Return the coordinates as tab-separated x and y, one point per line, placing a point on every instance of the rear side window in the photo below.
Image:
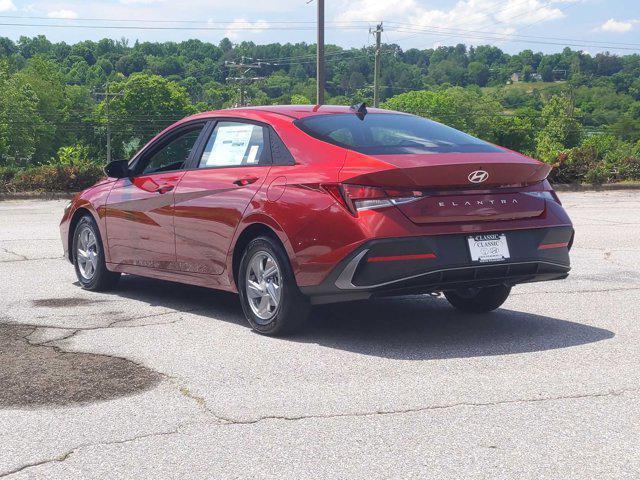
235	144
280	154
390	133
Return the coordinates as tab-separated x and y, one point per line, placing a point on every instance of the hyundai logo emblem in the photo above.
478	176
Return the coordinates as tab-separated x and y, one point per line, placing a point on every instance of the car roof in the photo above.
292	111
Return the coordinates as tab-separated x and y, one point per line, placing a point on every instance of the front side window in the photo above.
234	144
174	155
392	134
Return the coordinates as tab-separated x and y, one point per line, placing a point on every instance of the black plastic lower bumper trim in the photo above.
451	267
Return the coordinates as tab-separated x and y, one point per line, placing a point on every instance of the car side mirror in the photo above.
117	169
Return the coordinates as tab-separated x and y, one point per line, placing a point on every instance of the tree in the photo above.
561	129
59	78
517	131
19	123
146	105
464	109
478	73
607	64
129	64
447	71
44	81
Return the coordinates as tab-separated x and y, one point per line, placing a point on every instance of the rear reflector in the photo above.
395	258
548	246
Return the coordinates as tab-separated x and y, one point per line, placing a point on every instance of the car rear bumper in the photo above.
413	265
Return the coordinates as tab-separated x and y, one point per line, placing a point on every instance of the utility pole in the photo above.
320	55
242	79
107	94
108	99
376	71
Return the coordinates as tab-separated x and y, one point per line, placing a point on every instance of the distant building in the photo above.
536	77
516	77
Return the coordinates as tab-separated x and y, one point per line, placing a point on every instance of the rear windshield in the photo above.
391	133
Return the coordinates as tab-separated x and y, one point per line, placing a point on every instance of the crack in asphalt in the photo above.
610	393
110	325
176	431
29	379
64	456
25	259
61	350
606	290
20	259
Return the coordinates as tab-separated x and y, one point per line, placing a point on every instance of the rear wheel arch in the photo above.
253	231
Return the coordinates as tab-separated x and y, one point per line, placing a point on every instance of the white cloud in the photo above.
480	15
7	6
234	29
143	2
531	11
612	25
62	14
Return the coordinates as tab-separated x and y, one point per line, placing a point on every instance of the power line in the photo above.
242	80
464	31
208	22
505	38
204	28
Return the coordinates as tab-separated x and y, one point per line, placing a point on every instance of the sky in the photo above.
513	25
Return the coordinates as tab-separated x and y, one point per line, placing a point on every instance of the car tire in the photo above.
269	294
88	257
478	300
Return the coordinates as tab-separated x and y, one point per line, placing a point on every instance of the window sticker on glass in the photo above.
253	154
230	145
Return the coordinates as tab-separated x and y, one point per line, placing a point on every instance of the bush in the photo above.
73	155
599	159
51	178
6	176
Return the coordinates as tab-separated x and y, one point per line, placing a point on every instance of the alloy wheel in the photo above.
87	253
263	286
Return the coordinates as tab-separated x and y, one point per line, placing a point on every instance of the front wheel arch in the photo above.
77	215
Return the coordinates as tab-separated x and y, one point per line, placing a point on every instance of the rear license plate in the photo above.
488	248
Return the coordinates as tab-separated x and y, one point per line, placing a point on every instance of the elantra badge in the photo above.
478	176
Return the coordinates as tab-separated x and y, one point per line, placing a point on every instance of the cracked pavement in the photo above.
159	380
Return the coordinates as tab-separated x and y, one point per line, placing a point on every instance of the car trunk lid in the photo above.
454	187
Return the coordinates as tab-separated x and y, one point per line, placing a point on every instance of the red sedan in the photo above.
292	206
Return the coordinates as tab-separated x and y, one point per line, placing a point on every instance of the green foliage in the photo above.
20	124
73	155
143	106
516	132
599	159
561	130
49	113
297	99
465	109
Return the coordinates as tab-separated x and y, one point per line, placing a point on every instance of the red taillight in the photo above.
356	198
362	192
335	191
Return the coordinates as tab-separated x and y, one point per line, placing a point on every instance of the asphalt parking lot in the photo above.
158	380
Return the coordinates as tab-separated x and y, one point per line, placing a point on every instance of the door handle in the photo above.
164	188
243	182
